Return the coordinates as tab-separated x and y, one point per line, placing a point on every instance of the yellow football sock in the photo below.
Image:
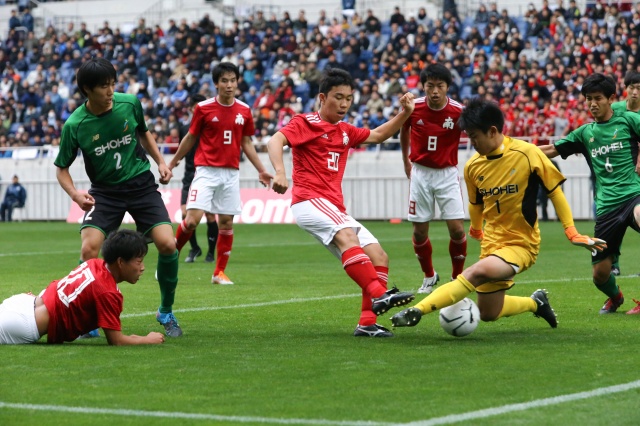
514	305
445	295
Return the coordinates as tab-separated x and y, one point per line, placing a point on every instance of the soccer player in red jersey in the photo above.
224	125
85	299
320	143
429	140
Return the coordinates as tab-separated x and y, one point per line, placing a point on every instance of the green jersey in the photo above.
621	107
611	149
108	142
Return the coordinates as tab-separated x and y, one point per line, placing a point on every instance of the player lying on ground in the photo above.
82	301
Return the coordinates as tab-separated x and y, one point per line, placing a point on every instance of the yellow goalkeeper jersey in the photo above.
505	182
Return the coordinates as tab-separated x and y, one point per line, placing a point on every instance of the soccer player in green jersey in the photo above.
632	103
502	180
610	145
110	131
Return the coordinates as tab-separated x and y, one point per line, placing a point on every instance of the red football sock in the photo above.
367	317
182	235
423	253
225	242
359	267
458	252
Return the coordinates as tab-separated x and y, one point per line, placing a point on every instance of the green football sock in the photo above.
168	280
610	288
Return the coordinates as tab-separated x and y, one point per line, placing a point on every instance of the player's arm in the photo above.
186	144
388	129
549	150
275	147
85	201
149	144
250	151
563	210
475	215
116	338
405	142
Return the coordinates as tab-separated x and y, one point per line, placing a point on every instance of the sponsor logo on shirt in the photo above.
95	137
448	123
510	188
114	144
215	119
420	122
325	136
239	119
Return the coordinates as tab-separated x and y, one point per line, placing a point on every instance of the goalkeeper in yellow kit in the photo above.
502	182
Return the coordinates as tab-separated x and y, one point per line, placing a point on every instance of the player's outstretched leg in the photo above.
544	311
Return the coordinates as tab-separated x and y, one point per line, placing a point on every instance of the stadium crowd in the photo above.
533	65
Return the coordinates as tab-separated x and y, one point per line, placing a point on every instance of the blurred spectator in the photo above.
14	197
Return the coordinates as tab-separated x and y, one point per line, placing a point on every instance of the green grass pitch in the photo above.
277	347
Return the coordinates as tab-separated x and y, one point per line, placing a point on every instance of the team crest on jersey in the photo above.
448	123
95	137
615	134
239	119
125	126
345	138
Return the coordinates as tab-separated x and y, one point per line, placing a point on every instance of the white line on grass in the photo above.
247	305
191	416
495	411
341	296
446	420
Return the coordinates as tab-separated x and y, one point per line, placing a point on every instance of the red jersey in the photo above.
82	301
320	150
435	135
221	129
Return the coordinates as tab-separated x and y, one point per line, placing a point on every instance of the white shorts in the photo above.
18	320
429	186
215	190
323	220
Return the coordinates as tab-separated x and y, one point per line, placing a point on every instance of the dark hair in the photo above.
124	243
222	68
631	77
599	83
196	99
436	71
334	77
481	115
95	72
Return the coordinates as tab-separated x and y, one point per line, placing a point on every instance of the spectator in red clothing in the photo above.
264	102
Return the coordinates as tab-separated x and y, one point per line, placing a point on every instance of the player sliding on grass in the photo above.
320	143
85	299
502	182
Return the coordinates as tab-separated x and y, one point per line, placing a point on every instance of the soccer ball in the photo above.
461	318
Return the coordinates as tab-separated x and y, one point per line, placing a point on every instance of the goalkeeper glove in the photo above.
476	234
592	244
